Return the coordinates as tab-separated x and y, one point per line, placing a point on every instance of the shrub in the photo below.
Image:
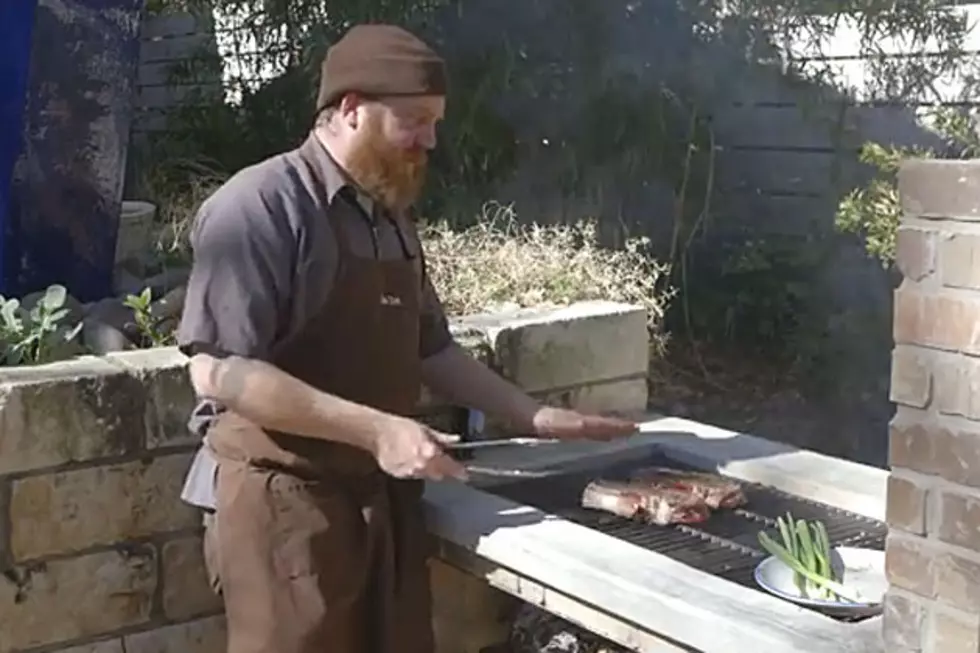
499	262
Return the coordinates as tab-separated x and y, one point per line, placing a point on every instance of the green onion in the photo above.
806	550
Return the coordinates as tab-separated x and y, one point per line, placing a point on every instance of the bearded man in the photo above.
311	325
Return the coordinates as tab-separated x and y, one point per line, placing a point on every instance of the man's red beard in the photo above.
391	175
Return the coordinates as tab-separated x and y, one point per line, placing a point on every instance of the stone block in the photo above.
906	509
953	631
186	591
468	614
626	397
960	261
582	344
909	443
933	449
941	321
940	189
902	621
959	516
911	376
104	646
75	410
70	511
202	636
956	385
915	252
473	341
956	455
164	373
5	555
74	598
909	564
958	581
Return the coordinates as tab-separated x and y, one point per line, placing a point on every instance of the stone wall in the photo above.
933	552
97	553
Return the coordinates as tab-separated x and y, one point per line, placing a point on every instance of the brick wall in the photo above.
97	553
933	553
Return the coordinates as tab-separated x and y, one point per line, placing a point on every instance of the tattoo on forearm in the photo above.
228	378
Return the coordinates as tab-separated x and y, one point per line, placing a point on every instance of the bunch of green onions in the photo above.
806	551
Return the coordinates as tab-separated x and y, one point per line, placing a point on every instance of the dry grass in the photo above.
500	262
177	203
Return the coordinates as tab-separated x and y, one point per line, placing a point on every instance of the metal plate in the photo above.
863	572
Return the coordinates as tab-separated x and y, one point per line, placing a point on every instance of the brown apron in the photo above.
314	548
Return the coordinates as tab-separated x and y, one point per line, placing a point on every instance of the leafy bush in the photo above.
874	211
39	333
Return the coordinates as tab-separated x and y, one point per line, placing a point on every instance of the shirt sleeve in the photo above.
434	335
240	275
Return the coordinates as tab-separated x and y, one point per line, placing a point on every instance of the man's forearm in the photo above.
455	375
275	400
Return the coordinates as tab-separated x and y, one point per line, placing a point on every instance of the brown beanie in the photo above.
378	60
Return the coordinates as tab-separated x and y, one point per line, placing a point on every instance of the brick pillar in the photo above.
933	552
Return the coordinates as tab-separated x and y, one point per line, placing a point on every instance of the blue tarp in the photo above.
16	27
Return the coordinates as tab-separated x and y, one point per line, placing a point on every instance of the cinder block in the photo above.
582	344
71	511
186	590
201	636
75	598
170	396
75	410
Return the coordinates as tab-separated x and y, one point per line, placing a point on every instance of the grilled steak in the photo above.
656	505
715	490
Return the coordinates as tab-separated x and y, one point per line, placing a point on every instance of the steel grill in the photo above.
726	545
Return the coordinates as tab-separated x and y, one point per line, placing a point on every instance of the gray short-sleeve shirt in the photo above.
265	259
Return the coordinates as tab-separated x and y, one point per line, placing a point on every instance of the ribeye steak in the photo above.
663	496
656	505
715	490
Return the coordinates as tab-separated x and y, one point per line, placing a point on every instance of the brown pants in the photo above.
306	567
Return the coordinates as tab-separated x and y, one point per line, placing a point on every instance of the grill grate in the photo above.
726	545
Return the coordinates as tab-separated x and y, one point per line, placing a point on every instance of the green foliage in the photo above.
149	327
874	211
277	48
752	289
39	334
478	146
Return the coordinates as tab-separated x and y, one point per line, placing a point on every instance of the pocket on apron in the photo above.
320	536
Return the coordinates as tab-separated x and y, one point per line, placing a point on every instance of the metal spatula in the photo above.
502	471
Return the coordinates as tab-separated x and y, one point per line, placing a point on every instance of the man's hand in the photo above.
571	425
405	448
